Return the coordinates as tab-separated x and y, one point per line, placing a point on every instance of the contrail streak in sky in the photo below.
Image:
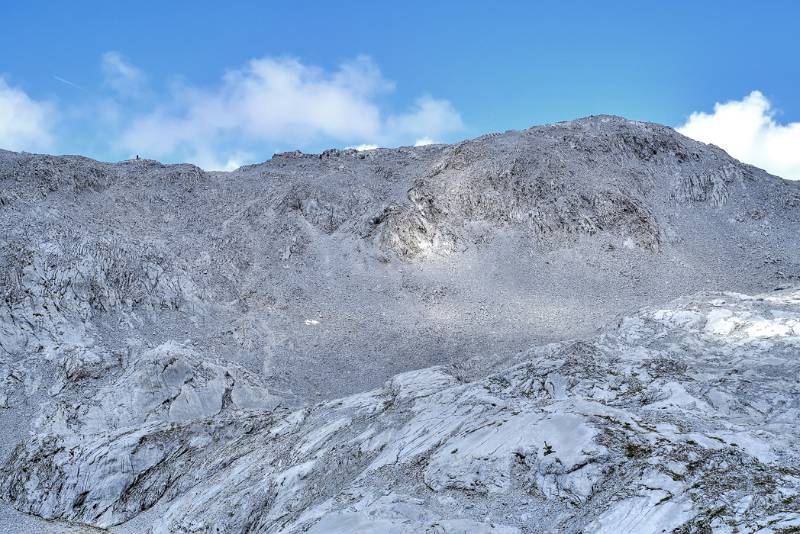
60	79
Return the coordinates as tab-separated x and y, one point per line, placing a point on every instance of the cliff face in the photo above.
156	318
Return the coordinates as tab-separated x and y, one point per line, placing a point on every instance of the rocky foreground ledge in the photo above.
683	419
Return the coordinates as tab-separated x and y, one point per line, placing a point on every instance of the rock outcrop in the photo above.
342	341
679	419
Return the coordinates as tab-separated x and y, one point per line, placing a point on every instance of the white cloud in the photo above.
427	119
25	124
208	161
363	147
748	131
121	75
284	102
424	141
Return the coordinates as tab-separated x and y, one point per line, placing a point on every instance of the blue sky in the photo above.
222	83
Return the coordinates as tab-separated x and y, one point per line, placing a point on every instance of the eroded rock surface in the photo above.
682	418
331	272
342	341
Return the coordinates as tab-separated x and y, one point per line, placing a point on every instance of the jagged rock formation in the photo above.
682	418
165	333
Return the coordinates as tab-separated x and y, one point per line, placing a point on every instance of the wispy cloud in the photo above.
122	76
749	131
265	105
25	123
284	101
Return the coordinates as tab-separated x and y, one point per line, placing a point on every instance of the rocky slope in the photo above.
171	339
679	419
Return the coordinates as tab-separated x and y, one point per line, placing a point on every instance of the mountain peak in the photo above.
450	314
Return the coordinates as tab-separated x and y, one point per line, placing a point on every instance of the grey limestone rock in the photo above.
479	337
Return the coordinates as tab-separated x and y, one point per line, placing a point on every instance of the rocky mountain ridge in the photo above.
160	322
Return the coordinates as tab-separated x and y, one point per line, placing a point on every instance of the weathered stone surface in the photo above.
335	342
674	420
